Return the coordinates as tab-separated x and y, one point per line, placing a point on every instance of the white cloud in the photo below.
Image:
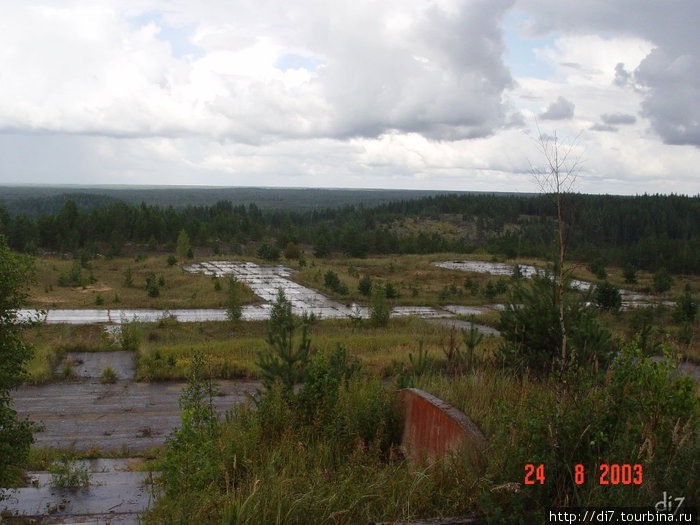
400	93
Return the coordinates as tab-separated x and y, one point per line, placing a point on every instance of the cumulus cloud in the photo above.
262	72
561	109
669	74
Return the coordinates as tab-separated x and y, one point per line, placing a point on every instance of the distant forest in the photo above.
648	232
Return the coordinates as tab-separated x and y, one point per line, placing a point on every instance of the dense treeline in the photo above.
648	232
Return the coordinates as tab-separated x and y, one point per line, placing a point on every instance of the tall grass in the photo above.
270	464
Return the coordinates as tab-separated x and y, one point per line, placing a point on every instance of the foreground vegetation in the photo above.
320	444
328	451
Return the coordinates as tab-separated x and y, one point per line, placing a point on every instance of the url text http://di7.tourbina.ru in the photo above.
669	508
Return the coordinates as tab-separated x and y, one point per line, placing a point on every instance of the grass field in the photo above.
164	347
414	277
105	285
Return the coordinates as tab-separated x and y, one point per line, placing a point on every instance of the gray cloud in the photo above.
673	101
622	76
443	77
614	119
561	109
604	127
670	74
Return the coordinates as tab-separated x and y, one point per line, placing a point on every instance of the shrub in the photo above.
379	310
531	332
129	335
686	307
171	260
365	285
597	268
390	291
128	277
640	412
269	253
629	272
662	281
608	296
333	283
234	305
291	251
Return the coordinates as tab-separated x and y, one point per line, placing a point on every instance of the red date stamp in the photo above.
608	474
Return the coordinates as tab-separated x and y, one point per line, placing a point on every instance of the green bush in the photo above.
130	335
365	285
608	296
662	281
333	283
640	412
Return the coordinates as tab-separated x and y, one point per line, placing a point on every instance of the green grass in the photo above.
232	349
181	289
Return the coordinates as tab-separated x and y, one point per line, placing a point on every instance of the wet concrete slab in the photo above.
115	494
629	299
265	281
123	415
464	310
466	325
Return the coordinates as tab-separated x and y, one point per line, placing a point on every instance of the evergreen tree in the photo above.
184	248
287	360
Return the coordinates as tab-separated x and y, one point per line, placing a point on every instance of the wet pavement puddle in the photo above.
116	493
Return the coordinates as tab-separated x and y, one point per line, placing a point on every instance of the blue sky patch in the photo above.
178	37
520	56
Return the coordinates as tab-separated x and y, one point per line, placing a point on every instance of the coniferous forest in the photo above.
648	231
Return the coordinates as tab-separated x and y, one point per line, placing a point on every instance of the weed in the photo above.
108	375
69	473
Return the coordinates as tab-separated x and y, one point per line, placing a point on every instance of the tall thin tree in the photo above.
556	175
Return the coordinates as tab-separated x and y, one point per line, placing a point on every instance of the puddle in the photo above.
466	325
123	415
684	368
464	310
115	495
89	365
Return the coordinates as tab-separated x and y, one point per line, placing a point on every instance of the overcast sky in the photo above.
434	94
